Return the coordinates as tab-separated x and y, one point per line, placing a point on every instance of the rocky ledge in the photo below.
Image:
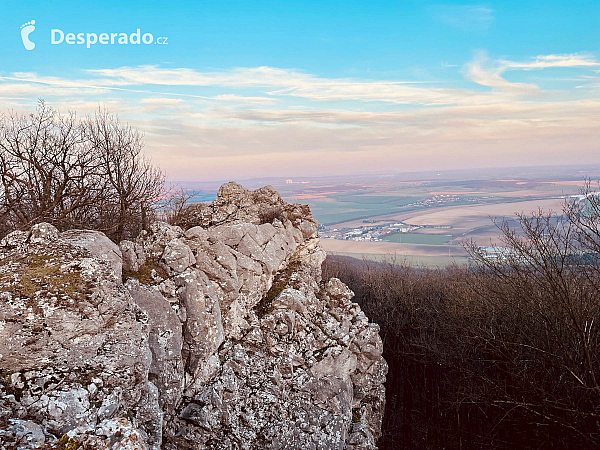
219	336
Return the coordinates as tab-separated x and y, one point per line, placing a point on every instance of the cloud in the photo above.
429	138
245	100
162	104
237	77
547	61
161	101
287	82
464	17
62	86
256	120
276	81
268	85
483	71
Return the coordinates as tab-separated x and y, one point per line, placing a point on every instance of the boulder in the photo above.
100	246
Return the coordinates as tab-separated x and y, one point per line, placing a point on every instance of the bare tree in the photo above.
134	185
175	207
583	212
550	276
75	174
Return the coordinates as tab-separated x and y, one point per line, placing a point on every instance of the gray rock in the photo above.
203	332
15	239
154	240
68	410
111	434
177	256
133	255
43	233
235	343
28	434
98	245
165	342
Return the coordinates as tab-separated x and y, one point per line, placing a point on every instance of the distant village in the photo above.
377	230
374	232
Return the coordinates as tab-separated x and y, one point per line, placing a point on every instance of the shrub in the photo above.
271	214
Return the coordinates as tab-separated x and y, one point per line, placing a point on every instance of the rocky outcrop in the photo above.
222	335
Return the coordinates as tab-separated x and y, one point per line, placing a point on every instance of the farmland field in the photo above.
419	238
440	214
425	261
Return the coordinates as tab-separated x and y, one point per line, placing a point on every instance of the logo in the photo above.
58	36
89	39
26	30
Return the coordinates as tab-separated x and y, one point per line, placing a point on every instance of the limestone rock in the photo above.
110	434
43	232
74	345
177	256
224	336
165	342
133	255
28	434
98	245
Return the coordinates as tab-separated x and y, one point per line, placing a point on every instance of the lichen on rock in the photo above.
217	334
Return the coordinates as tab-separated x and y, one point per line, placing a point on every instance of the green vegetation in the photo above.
67	443
382	199
342	208
352	203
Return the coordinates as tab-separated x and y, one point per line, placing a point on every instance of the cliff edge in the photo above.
218	336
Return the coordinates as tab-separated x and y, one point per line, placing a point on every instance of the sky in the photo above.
243	89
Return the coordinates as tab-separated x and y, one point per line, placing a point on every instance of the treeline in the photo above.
503	354
75	173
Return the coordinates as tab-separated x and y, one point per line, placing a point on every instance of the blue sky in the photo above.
254	88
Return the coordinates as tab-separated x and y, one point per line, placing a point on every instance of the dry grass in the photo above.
42	275
144	274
